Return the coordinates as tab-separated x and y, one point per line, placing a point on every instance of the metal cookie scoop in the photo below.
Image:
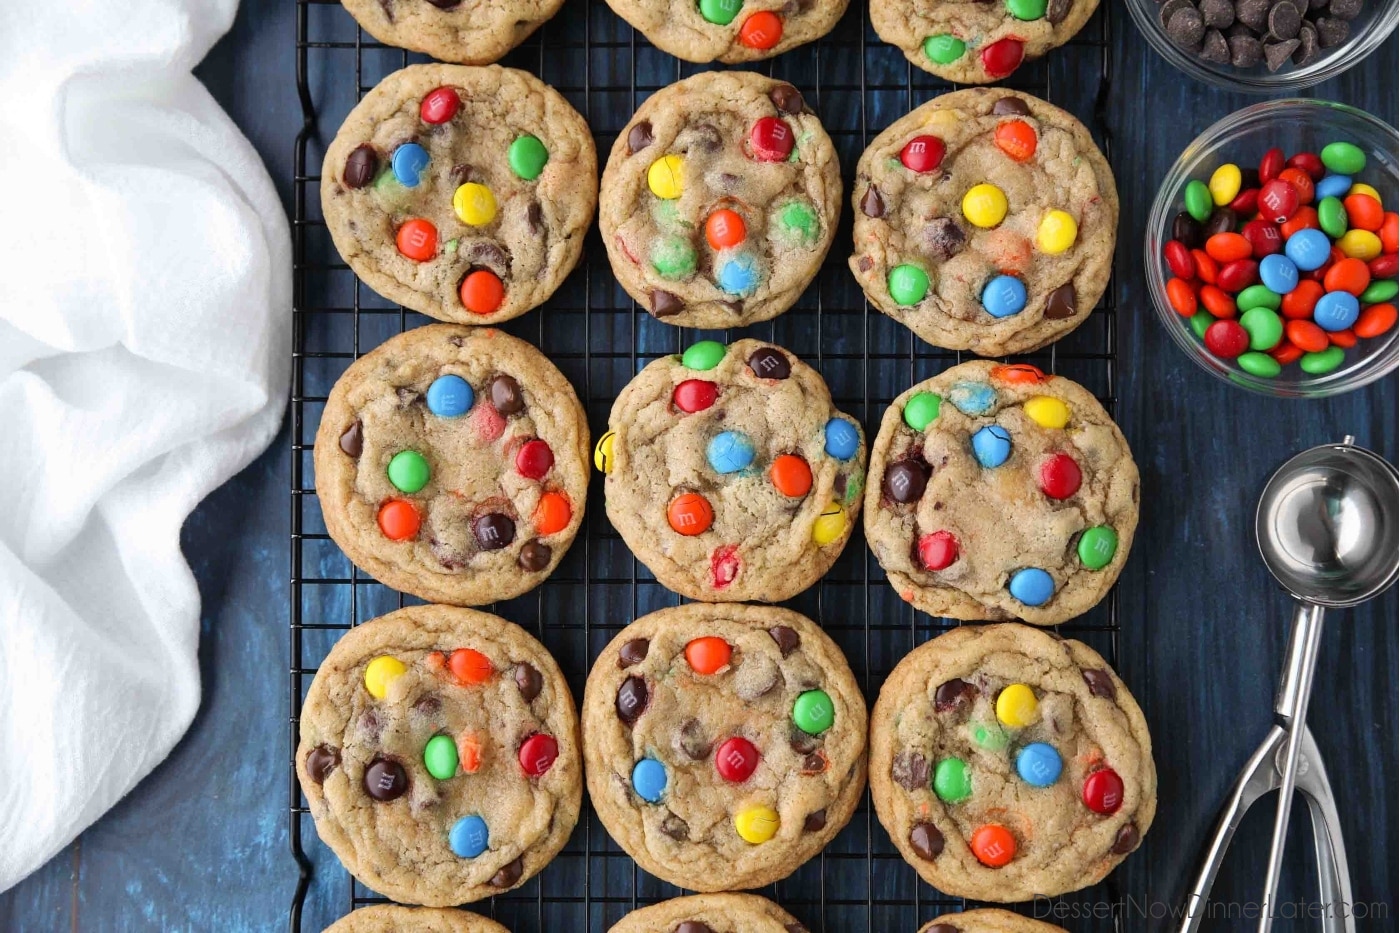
1327	530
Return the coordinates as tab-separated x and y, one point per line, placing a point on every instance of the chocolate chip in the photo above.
528	681
445	4
1169	9
1309	50
910	770
943	238
1221	220
488	254
639	137
632	699
1056	11
633	652
505	393
675	827
1010	105
493	531
1062	303
1284	22
786	638
694	926
462	172
1187	28
814	763
707	137
942	928
691	740
353	440
954	694
360	166
1218	14
786	98
815	822
926	840
905	480
871	203
321	761
534	218
1252	13
1344	9
1277	54
1215	48
733	307
509	875
406	396
1100	683
1332	32
1245	51
534	556
865	263
838	485
1127	840
665	304
385	780
768	363
427	705
802	743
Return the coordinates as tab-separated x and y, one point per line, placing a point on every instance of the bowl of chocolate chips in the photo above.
1264	46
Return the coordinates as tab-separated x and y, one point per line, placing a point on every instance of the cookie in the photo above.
452	463
1008	764
472	32
730	31
439	755
978	43
710	913
391	918
461	192
985	220
730	473
988	920
724	745
998	492
720	199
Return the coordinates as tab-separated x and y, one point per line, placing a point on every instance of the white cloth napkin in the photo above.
145	318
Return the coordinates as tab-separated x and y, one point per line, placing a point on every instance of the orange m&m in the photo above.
725	228
482	292
399	519
470	666
690	514
417	239
791	475
763	30
1016	139
1374	321
993	845
707	655
552	514
1018	374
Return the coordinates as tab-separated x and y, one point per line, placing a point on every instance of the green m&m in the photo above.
1200	323
1026	9
1265	328
1258	296
673	257
797	223
813	712
440	757
1344	159
988	735
1097	545
703	355
1199	203
1380	290
720	12
1261	364
944	48
908	284
922	410
1324	362
527	156
952	780
408	471
1332	217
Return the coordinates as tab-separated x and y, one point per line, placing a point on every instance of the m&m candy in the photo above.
1103	791
952	780
842	439
729	452
1039	764
770	138
474	204
416	239
552	514
482	292
739	274
1058	230
1096	547
450	396
938	551
923	154
763	30
725	228
908	284
470	667
1004	296
991	445
922	409
694	395
830	525
708	655
757	825
1032	586
649	780
399	520
527	157
813	712
1017	706
984	205
664	177
407	163
468	837
603	452
439	105
993	845
690	514
790	475
440	757
381	672
736	759
408	471
537	754
944	48
1047	411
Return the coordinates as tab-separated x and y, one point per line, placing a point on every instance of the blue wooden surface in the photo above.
201	845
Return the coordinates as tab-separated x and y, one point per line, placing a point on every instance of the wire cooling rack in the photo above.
594	332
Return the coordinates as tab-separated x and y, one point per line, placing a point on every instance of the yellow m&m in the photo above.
830	524
603	452
756	824
1057	233
664	177
1225	184
1017	706
1363	188
1360	244
380	673
984	205
474	204
1046	411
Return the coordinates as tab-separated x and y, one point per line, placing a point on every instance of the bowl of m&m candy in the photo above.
1271	249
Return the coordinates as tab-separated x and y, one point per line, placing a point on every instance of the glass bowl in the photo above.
1243	137
1368	30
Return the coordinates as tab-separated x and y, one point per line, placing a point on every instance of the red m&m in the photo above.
736	759
534	459
1103	791
694	395
763	30
725	228
440	105
707	655
923	153
770	140
417	240
537	753
938	551
1060	476
1003	56
399	520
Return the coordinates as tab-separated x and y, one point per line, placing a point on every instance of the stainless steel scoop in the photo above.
1327	528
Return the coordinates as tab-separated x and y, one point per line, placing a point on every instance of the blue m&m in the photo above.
842	439
468	837
1039	765
649	780
1004	296
991	445
729	452
1332	186
450	396
1336	311
408	162
1278	273
1308	248
1032	586
973	398
738	275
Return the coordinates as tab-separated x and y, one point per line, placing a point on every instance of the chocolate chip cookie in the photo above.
987	920
730	473
710	913
978	42
452	463
729	31
439	755
998	492
472	32
391	918
720	199
724	745
461	192
985	220
1008	764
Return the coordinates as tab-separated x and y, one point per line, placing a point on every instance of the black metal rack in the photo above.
600	338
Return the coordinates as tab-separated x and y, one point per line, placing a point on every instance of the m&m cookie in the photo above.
710	913
724	745
452	463
985	221
730	474
998	492
987	920
461	192
391	918
1008	764
439	755
730	31
720	199
978	43
465	31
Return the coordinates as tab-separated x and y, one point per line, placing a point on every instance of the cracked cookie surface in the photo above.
461	192
1008	764
710	913
985	220
730	473
391	918
439	755
730	31
724	745
452	463
719	200
470	32
997	492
